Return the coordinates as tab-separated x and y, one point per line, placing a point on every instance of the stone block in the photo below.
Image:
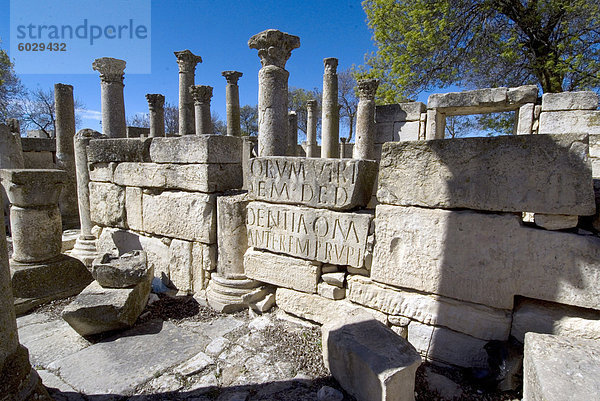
447	346
119	150
435	125
409	111
133	208
331	291
384	132
184	215
282	271
189	177
197	149
483	258
472	319
584	100
522	95
406	131
38	145
124	271
180	265
469	102
30	188
232	239
102	172
368	359
137	132
575	121
38	160
551	318
525	119
204	260
315	234
334	278
322	183
157	252
560	368
594	146
555	221
535	173
318	309
107	204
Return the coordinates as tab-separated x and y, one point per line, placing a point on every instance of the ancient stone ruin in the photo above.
406	247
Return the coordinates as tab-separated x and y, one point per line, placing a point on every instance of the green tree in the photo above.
10	85
424	44
249	120
347	100
297	98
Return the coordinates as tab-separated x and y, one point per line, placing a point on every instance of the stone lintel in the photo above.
197	149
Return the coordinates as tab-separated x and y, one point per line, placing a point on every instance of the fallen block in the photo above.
368	359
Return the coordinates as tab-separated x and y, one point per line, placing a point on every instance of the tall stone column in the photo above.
65	154
330	112
229	284
202	95
232	102
293	133
311	128
85	245
11	156
274	49
156	107
19	381
40	273
343	148
364	146
187	71
113	106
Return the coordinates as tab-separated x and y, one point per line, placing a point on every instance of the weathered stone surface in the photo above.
575	121
102	172
184	215
555	221
232	239
334	278
197	149
98	309
133	208
119	150
30	188
204	260
316	308
522	94
483	258
314	234
409	111
180	265
550	318
541	173
407	131
282	271
190	177
368	359
447	346
331	291
107	203
194	365
524	117
486	100
38	145
584	100
323	183
38	160
560	368
120	271
137	132
157	252
132	367
473	319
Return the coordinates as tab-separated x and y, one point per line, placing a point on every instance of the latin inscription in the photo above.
324	183
314	234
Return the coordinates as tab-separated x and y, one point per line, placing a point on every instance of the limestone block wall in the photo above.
159	195
39	152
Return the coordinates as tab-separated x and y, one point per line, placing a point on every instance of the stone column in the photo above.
65	154
364	146
232	102
274	49
293	133
113	106
202	95
187	71
19	381
11	156
156	106
330	114
40	273
85	245
343	148
311	128
229	284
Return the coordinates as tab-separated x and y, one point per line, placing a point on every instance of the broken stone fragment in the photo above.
127	270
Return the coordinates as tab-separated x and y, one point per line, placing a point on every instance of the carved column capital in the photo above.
201	93
232	76
155	101
330	65
311	105
110	69
274	47
367	88
187	60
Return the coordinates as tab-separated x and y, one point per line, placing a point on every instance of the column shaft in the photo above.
330	120
364	147
311	129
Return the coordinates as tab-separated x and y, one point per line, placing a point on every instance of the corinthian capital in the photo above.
187	60
155	101
201	93
367	88
274	47
232	76
330	64
110	69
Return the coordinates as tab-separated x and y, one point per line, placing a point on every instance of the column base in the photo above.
85	250
20	382
35	284
225	294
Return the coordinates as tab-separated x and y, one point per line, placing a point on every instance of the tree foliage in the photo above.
171	119
297	98
10	85
347	100
249	120
423	44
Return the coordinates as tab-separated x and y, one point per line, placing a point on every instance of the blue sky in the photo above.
218	31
